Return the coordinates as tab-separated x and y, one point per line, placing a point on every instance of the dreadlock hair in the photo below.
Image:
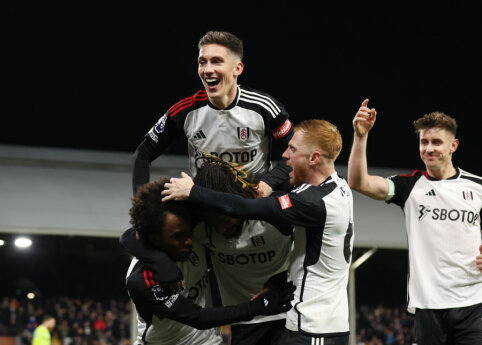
223	176
148	211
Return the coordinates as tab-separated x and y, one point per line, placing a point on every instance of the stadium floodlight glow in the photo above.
23	242
30	295
2	242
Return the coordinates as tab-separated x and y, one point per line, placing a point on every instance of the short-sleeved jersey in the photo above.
240	133
41	336
153	303
442	218
242	265
323	241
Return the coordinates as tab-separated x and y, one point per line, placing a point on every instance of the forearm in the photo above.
145	153
231	204
358	178
357	163
140	171
204	318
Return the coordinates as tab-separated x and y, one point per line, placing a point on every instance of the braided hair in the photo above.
219	175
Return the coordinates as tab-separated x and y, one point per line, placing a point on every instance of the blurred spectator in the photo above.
76	320
380	325
384	326
41	334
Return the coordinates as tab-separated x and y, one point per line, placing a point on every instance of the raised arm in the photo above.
375	187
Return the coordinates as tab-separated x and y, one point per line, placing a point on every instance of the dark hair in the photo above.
223	176
225	39
148	210
47	317
436	119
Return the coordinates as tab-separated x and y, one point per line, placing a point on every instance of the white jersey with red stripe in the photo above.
443	226
241	133
197	289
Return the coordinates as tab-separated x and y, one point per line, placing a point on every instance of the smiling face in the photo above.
219	69
436	148
175	238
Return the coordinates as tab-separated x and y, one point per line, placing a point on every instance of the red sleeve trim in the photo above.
283	130
187	102
151	278
145	278
412	173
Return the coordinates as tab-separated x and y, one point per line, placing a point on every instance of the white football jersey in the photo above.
323	242
442	218
243	264
321	257
240	134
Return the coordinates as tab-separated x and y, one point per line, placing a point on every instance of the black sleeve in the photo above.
282	132
185	311
165	269
150	298
278	178
403	187
268	209
191	314
154	144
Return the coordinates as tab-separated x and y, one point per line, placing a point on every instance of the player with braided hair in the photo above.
174	317
320	210
247	256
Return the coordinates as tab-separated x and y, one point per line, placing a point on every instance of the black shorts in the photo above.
455	326
296	338
263	333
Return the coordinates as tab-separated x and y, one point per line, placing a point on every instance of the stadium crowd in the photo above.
79	321
90	322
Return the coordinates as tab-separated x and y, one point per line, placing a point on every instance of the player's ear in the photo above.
315	157
239	68
455	145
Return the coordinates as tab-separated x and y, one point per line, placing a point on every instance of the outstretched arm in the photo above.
375	187
270	303
227	203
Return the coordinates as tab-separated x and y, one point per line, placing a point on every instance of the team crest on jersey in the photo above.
194	258
243	133
258	241
468	195
285	201
161	124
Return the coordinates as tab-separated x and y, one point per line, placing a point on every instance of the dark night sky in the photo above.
98	76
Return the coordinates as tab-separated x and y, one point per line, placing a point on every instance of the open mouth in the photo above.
212	81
